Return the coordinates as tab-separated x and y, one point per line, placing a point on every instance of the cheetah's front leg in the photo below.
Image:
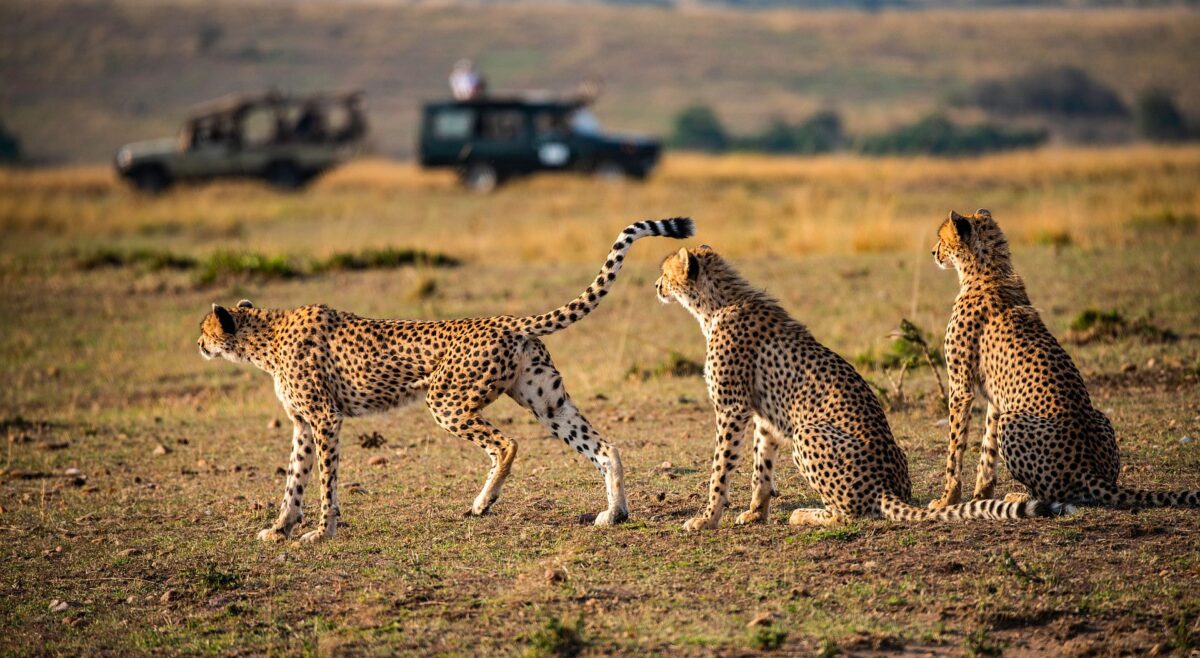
326	430
765	448
985	478
731	424
291	510
960	417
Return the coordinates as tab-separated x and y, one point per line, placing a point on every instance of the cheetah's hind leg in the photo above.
539	389
766	447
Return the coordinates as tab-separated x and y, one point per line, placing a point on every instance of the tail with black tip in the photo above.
897	509
1113	495
575	310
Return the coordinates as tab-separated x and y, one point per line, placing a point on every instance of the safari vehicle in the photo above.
489	140
286	141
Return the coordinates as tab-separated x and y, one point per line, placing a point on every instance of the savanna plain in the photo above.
135	474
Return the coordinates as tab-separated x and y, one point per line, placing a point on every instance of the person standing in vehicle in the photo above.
466	83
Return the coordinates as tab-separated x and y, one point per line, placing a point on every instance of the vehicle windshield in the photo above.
583	122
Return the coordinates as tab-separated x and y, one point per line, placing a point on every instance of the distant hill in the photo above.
80	78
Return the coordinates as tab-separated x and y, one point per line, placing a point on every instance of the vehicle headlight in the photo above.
124	158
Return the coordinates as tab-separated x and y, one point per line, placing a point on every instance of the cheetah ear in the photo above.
245	303
225	318
690	262
961	226
983	212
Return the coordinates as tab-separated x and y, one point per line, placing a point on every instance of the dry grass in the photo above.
153	553
748	205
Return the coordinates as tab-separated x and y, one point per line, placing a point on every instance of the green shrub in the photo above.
698	128
1066	91
937	135
223	265
1158	119
10	146
820	133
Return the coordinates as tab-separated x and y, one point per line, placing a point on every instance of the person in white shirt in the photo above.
465	81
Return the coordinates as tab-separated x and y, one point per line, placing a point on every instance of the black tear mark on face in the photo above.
226	319
693	267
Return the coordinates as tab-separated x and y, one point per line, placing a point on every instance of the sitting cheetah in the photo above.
1038	410
329	365
763	365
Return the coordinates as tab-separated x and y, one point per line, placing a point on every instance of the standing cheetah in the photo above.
1038	410
329	365
764	366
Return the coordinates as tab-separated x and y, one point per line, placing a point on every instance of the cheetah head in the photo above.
957	238
218	333
680	273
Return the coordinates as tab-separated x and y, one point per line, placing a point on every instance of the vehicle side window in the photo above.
453	124
550	124
259	127
503	125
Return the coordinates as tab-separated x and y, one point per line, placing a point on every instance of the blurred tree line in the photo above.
1059	93
10	146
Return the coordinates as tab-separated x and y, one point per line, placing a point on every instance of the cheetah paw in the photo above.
748	517
944	501
701	523
272	535
1016	498
315	536
611	517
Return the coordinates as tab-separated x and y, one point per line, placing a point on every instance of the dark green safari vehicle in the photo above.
284	140
488	140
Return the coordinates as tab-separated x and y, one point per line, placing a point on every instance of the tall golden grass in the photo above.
745	204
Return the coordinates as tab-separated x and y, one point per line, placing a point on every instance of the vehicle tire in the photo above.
480	177
150	180
285	176
609	171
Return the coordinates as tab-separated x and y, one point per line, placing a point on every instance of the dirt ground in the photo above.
136	474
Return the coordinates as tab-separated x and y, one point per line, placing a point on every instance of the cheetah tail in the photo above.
1109	493
897	509
567	314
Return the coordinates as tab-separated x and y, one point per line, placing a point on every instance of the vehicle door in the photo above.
447	135
552	139
263	140
504	138
210	150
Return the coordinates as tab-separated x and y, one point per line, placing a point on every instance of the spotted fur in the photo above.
329	365
765	367
1039	414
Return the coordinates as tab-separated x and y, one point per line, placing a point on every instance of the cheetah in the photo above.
762	365
329	365
1039	414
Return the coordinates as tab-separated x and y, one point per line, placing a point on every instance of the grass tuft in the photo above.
1165	219
981	643
230	265
215	580
555	638
767	638
149	259
674	365
388	257
1094	325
